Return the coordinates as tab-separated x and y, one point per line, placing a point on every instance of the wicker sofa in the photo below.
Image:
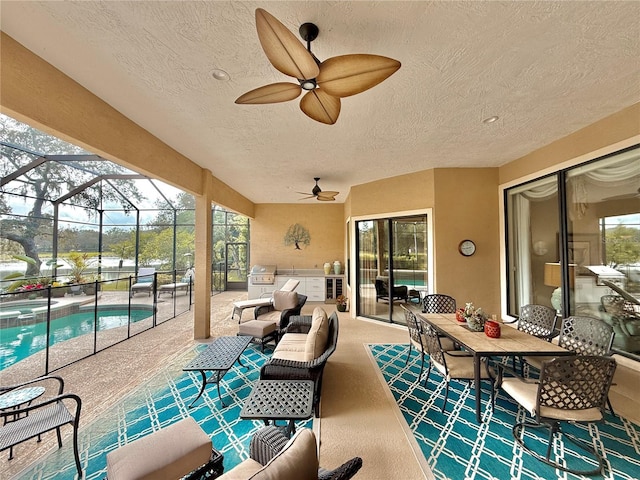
303	351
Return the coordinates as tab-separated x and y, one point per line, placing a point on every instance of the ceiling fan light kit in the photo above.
324	82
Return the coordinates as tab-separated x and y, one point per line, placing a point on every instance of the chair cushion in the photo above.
298	460
290	285
284	300
169	453
257	328
318	334
242	471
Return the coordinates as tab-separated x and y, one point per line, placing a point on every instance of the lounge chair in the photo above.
144	281
239	306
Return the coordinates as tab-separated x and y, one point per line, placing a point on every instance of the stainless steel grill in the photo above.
263	275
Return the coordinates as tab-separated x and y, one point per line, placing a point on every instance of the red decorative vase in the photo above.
492	329
460	315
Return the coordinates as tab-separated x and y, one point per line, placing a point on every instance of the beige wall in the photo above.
466	206
326	228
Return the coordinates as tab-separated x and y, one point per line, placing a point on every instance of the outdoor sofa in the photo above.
303	351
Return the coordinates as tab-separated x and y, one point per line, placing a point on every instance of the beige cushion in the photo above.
292	342
318	334
526	393
271	316
291	355
257	328
167	454
242	471
284	300
298	460
290	285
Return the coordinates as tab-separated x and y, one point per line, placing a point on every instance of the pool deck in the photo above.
118	370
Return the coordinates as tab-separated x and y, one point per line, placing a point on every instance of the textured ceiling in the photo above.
546	69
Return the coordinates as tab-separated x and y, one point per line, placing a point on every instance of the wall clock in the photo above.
467	248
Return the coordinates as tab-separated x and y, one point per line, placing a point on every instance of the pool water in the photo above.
18	343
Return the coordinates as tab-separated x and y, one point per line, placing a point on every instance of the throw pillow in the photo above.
317	335
298	460
284	300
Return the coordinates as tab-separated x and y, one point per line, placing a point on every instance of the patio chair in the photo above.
144	281
570	389
273	455
31	419
400	292
624	317
452	365
416	338
582	335
539	321
438	303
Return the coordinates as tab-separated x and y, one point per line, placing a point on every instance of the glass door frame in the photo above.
390	218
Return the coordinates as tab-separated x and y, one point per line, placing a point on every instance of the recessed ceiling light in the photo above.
220	74
491	119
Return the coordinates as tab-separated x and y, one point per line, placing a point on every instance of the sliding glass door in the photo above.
391	265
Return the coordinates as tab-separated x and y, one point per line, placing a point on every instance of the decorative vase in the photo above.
337	267
460	315
476	323
327	268
492	329
341	308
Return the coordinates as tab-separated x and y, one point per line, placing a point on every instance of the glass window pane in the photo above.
603	210
532	243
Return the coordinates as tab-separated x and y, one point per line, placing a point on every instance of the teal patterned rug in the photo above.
161	401
456	447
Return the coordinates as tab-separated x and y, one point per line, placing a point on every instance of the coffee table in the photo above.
218	358
280	400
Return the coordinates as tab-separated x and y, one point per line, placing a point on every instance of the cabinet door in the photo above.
315	289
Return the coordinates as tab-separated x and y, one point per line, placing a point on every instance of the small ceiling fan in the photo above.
325	82
318	194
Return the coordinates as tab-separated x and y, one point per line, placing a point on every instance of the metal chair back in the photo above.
537	320
575	383
438	303
586	336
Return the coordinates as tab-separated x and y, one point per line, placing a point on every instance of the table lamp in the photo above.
553	278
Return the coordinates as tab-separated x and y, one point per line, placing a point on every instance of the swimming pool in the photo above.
19	342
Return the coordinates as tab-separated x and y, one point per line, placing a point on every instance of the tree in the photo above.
44	183
622	246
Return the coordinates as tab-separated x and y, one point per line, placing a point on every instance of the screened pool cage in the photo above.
87	245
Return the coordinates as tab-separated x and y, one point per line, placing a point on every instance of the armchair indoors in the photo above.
50	411
570	389
400	292
285	305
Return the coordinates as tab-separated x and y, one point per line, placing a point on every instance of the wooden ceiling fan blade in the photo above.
320	106
285	52
273	93
328	193
348	75
307	197
323	198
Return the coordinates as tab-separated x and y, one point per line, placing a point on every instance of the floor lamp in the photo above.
553	278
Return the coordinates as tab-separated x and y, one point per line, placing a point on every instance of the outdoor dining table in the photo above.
512	342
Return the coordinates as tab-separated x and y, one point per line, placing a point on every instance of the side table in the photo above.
280	400
20	396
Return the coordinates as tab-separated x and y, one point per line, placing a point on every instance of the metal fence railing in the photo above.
44	329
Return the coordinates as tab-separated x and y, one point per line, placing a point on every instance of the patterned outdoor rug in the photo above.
456	447
161	401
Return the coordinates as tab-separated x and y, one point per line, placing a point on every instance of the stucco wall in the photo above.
324	222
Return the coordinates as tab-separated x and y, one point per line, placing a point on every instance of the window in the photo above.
573	243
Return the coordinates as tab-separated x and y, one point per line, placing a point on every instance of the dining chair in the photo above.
438	303
536	320
452	365
581	335
570	389
415	337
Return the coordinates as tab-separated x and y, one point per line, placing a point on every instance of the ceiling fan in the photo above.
325	82
318	194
